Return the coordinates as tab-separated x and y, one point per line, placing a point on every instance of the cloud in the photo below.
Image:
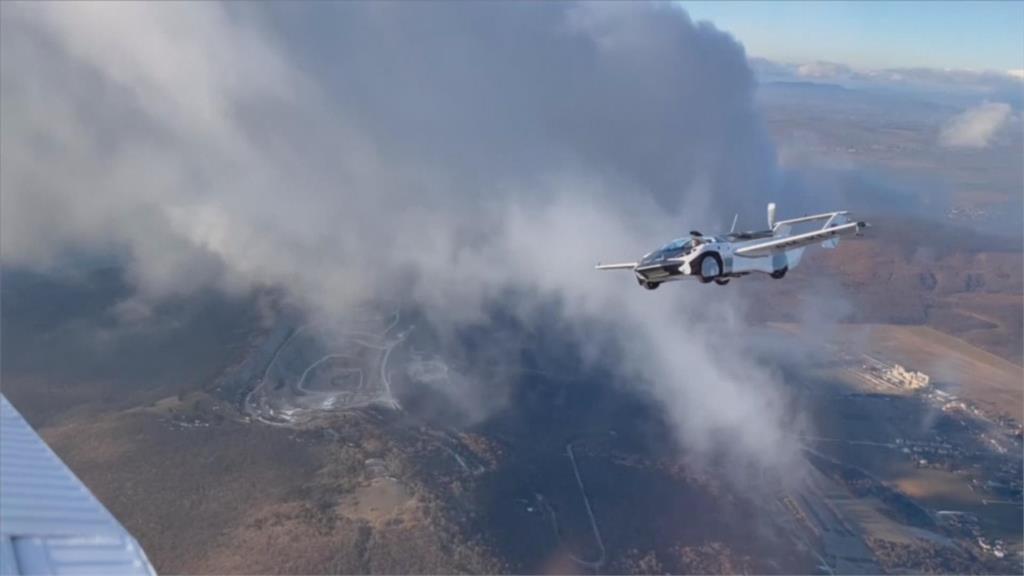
1005	86
975	128
830	70
433	153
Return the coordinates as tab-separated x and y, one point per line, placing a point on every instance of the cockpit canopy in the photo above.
677	245
673	249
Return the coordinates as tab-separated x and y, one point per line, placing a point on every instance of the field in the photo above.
906	466
955	365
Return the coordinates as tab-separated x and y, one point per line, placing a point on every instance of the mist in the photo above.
975	128
444	155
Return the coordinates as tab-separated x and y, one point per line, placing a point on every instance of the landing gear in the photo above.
651	285
721	281
780	273
709	267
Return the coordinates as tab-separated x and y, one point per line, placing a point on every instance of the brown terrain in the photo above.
207	492
211	495
940	299
130	409
950	279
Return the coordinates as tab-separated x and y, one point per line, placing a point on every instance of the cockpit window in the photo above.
673	249
680	244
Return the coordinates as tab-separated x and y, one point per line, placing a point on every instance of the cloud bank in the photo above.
955	86
975	127
434	153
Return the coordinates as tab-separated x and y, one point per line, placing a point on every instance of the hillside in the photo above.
954	280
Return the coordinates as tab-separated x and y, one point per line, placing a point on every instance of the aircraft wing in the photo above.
49	521
620	266
797	240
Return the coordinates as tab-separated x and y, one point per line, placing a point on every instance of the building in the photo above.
904	378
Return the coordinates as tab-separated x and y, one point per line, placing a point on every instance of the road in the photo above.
852	442
256	412
595	564
457	458
384	373
263	380
326	357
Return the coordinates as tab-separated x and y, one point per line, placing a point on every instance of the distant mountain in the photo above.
878	99
805	85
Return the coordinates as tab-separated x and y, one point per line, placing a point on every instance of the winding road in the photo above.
263	380
326	357
255	407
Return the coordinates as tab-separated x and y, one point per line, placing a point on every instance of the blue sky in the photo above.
960	35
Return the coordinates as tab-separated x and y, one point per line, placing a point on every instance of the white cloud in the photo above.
445	154
993	85
975	127
828	70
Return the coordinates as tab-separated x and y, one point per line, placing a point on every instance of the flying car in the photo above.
721	258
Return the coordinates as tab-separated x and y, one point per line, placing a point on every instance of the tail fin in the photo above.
793	257
771	215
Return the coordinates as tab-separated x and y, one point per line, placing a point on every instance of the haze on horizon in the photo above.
902	35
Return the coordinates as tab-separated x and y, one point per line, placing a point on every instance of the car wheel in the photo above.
709	267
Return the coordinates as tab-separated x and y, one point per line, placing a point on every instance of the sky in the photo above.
875	35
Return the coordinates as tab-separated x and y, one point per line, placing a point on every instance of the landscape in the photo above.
862	415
